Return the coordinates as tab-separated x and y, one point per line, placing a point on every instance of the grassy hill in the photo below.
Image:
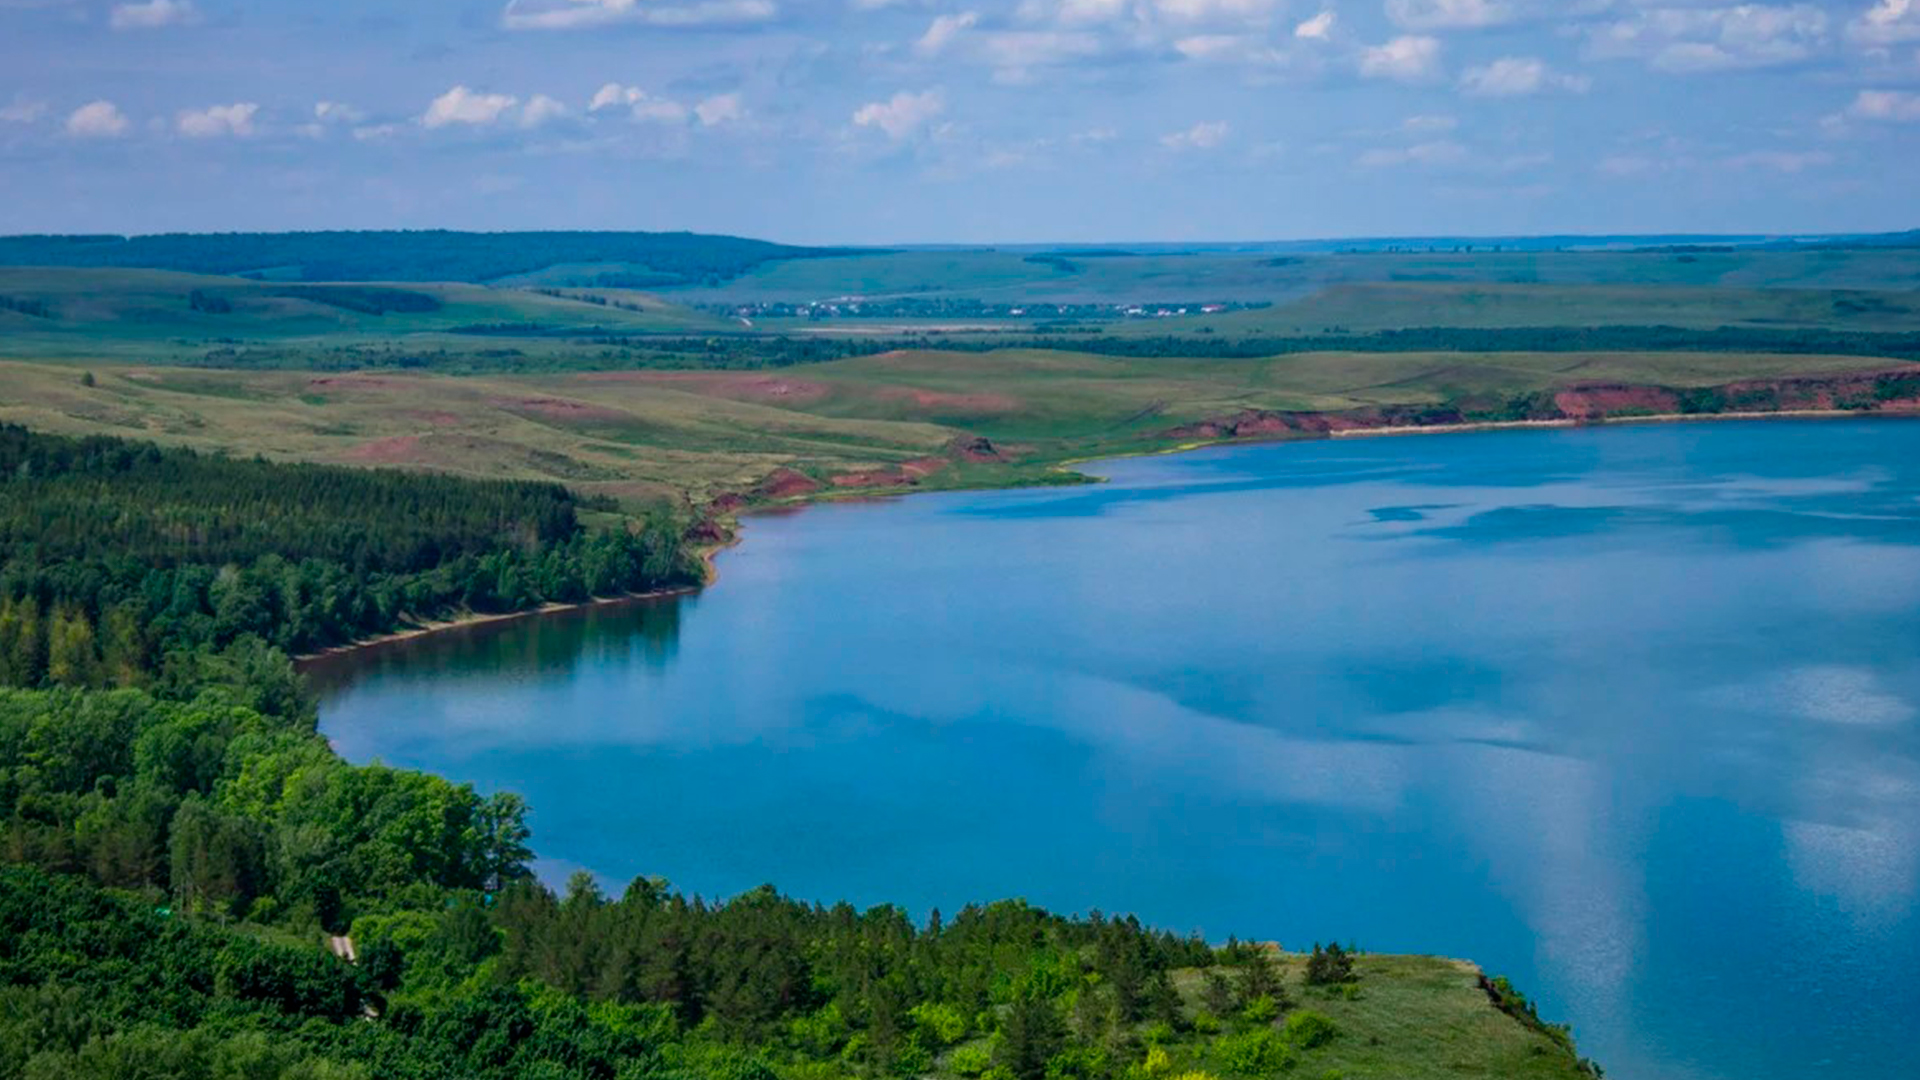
886	421
160	315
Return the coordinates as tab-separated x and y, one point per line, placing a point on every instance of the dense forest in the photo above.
116	554
676	257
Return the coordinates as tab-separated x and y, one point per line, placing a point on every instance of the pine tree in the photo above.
71	659
1031	1033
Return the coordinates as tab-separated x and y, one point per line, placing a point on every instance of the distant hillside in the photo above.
600	259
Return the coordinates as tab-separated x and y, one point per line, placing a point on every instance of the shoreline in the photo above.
709	555
1617	421
710	573
1468	429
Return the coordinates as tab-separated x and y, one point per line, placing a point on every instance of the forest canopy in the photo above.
114	554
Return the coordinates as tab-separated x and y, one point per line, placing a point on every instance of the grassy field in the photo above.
1414	1018
850	424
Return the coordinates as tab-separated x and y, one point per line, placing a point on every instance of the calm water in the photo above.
1628	714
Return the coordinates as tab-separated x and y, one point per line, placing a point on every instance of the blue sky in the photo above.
975	121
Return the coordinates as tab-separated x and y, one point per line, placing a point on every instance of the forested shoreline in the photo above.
117	556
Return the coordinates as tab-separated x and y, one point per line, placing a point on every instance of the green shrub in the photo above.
1254	1053
1077	1063
1261	1010
1310	1030
973	1059
941	1024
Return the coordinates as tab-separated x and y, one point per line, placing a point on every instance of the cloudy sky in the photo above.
877	121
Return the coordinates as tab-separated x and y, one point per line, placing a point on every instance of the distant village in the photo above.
866	307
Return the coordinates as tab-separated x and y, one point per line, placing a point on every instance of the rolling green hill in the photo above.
158	314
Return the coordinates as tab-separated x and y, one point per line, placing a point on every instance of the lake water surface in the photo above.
1628	714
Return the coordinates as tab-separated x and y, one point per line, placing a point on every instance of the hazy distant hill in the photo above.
604	259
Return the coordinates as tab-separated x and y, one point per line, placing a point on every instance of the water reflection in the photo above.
641	632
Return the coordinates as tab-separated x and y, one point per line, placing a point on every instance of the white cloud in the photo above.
1054	33
463	106
1447	14
1688	40
1202	136
1894	106
579	14
1409	59
1889	22
639	103
901	115
97	120
1429	123
1628	165
1785	161
1014	54
720	109
540	109
215	121
22	111
1216	11
1318	28
1443	152
1217	46
334	112
941	32
1074	12
152	15
1518	76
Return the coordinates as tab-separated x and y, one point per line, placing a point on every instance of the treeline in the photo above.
746	350
599	349
407	255
1737	339
367	300
22	306
114	554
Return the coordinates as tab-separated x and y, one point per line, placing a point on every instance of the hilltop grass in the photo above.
1413	1018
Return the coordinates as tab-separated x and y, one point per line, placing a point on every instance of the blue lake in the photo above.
1631	715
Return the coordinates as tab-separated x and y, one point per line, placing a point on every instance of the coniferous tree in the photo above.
1031	1033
